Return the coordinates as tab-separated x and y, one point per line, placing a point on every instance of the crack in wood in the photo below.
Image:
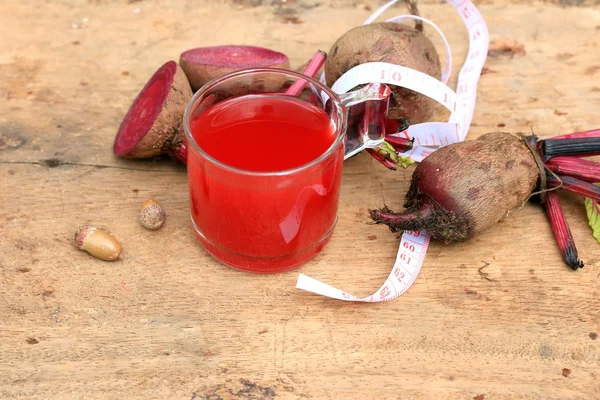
54	163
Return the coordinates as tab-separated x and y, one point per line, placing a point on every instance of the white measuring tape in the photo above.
428	136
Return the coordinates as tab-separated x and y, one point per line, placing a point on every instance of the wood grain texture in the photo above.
498	317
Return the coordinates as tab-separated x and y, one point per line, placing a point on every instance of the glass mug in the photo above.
272	221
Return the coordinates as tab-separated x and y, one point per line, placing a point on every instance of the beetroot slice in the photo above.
206	63
155	115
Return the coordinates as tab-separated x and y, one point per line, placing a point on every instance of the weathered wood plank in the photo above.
169	322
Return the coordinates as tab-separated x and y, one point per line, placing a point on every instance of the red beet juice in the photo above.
265	199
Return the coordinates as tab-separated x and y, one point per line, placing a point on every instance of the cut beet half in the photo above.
206	63
155	116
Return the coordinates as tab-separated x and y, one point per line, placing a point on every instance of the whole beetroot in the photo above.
392	43
465	188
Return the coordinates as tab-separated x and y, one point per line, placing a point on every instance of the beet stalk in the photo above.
576	186
400	144
396	125
562	233
386	154
586	170
579	135
582	146
383	159
314	65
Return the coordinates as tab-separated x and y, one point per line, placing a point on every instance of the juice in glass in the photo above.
264	173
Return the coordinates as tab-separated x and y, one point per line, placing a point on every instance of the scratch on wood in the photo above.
290	318
53	163
283	346
426	283
275	350
485	275
519	296
294	314
332	343
148	46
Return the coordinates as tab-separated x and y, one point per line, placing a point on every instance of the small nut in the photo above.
98	243
152	215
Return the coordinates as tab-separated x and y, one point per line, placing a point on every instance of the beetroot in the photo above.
206	63
464	188
392	43
155	116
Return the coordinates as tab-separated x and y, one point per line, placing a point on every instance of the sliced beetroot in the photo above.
206	63
155	116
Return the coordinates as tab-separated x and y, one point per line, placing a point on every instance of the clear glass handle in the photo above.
366	110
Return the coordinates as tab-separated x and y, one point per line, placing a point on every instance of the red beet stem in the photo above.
576	186
180	152
584	146
382	159
397	125
400	144
578	135
586	170
562	233
311	70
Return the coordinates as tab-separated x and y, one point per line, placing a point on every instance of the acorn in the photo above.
152	216
98	243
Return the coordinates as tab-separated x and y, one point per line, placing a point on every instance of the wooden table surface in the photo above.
168	322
